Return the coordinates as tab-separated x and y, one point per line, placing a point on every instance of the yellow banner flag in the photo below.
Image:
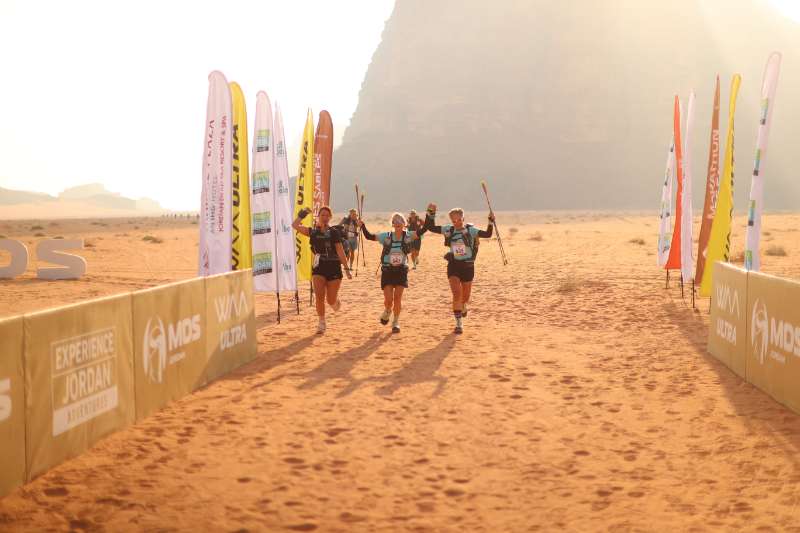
719	244
303	198
241	240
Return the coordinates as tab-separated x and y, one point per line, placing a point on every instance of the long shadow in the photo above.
268	360
748	401
342	365
422	368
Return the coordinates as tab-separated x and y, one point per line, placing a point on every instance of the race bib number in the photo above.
396	259
459	250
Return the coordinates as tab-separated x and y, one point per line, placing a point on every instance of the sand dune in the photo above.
580	397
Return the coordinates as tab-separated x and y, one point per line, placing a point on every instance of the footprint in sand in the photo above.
350	518
302	527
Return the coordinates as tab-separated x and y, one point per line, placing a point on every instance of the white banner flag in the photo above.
215	201
687	262
752	259
262	204
287	278
665	216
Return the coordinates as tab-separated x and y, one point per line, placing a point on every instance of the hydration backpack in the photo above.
473	243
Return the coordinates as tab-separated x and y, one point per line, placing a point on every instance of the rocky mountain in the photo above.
560	104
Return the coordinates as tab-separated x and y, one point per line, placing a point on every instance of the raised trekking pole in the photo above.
358	237
496	230
361	234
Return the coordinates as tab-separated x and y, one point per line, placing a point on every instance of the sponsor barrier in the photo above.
757	335
12	405
727	334
169	343
78	378
773	348
72	375
230	318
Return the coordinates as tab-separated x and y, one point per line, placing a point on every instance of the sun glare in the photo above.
789	8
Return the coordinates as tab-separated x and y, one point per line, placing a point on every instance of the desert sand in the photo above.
580	397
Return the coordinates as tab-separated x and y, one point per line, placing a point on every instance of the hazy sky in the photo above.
790	8
115	92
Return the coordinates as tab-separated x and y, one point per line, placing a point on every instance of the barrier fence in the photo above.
755	330
71	375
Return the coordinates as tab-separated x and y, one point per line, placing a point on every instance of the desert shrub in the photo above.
775	250
638	241
568	285
151	239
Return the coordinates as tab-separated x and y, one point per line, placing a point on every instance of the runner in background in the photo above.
350	225
415	224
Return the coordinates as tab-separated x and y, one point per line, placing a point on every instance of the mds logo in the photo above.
161	345
772	337
5	399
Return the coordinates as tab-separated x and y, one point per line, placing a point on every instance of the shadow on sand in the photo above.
422	368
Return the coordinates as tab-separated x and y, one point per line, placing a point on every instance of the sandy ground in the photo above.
580	397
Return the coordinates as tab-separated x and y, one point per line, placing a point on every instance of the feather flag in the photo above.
719	243
752	260
215	200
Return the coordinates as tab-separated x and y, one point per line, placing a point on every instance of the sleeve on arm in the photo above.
369	236
485	234
430	224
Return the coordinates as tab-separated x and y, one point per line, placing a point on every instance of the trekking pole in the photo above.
361	214
494	223
358	237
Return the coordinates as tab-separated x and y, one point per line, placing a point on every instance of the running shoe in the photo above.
337	305
321	327
459	330
395	329
464	310
385	316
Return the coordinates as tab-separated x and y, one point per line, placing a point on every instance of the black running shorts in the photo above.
394	276
330	270
463	270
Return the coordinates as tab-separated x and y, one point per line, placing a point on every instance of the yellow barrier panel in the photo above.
727	335
773	356
78	378
169	338
231	320
12	405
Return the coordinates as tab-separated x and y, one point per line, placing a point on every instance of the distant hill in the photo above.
11	197
91	200
561	105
